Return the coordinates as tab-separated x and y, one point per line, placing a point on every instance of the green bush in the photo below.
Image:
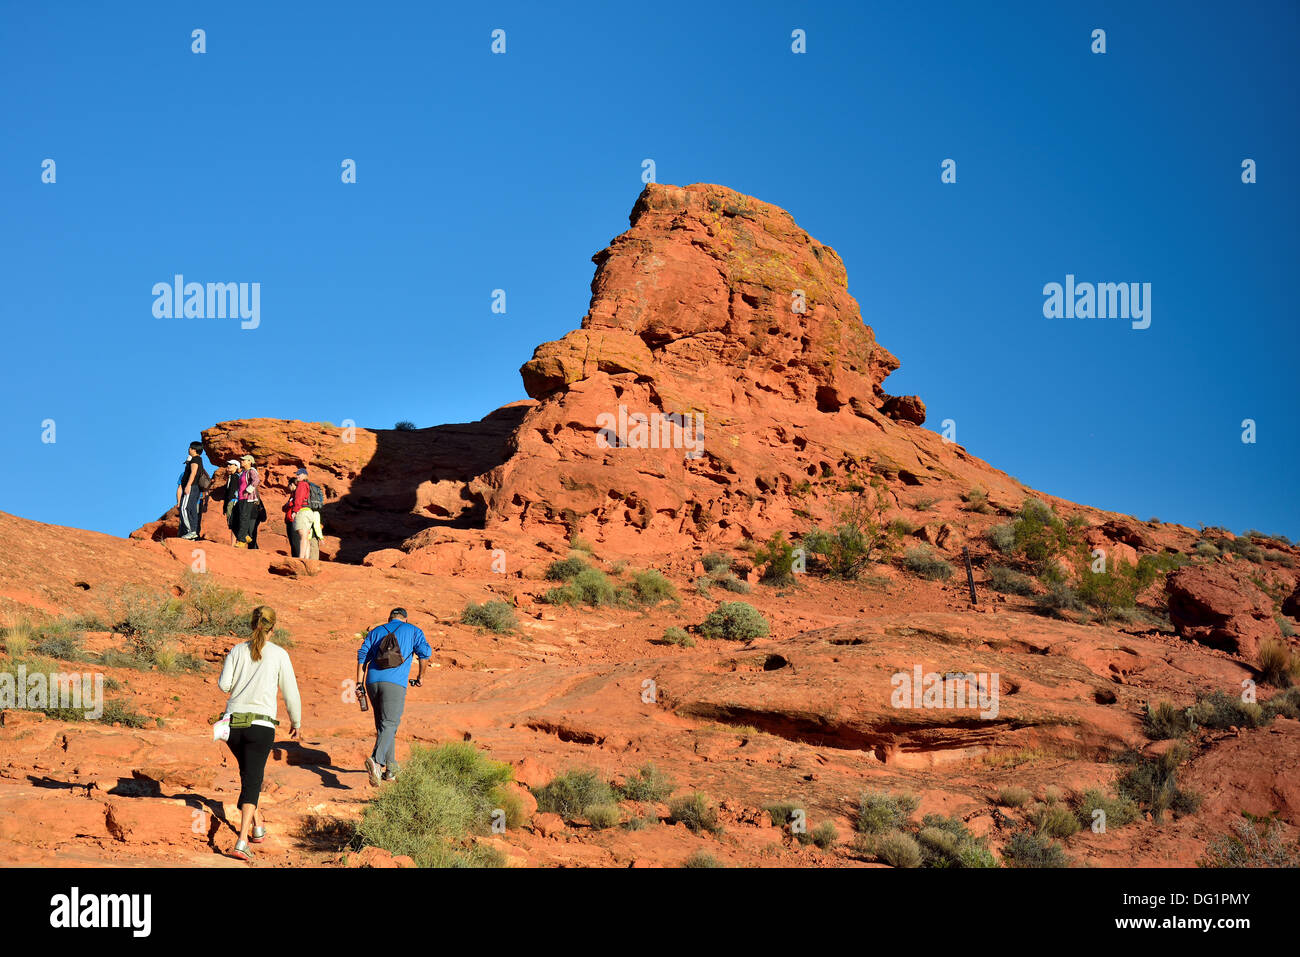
897	849
1013	797
923	562
1152	782
1286	704
947	842
572	793
1119	811
1222	711
701	859
736	621
695	811
59	643
565	569
1053	820
602	816
781	814
648	784
493	615
1164	720
1002	537
651	587
1060	598
1207	550
1010	582
824	835
588	587
777	557
880	811
977	500
731	583
1031	849
716	563
442	796
677	636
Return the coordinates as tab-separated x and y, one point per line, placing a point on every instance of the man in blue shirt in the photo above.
386	688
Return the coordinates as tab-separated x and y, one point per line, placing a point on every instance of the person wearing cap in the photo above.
299	489
248	506
232	498
385	682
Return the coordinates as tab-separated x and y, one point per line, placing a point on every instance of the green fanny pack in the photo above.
245	719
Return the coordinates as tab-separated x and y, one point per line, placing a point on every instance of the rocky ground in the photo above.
691	314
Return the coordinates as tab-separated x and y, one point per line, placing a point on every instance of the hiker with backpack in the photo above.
384	669
190	487
302	516
253	672
248	507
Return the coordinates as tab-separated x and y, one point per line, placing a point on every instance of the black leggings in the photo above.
251	747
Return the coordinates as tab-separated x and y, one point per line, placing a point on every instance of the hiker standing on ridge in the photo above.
383	669
298	489
252	674
194	481
232	499
249	506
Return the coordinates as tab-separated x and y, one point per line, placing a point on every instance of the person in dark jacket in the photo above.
189	493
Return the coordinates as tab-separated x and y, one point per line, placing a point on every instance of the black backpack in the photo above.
202	479
389	653
315	496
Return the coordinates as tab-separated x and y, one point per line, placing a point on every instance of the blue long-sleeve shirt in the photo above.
412	642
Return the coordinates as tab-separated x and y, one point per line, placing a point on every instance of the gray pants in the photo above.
387	700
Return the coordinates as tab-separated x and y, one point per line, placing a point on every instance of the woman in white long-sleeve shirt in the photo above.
252	674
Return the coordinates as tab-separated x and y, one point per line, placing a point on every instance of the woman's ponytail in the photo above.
263	623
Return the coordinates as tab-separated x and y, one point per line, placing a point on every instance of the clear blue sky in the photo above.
479	171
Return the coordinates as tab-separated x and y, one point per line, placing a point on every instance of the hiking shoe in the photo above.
241	544
240	852
257	835
190	537
389	775
372	769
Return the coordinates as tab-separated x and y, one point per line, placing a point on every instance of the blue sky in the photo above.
478	171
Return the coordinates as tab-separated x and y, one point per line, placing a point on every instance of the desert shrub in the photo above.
901	528
736	621
1013	797
782	813
880	811
1253	842
566	569
588	587
702	586
923	562
1286	704
602	816
18	635
640	823
777	557
1052	794
1028	848
1038	534
947	842
1010	582
495	615
731	583
1059	599
695	811
405	426
1277	666
442	796
572	793
716	563
824	835
897	849
648	784
1164	720
677	636
1152	782
1221	711
580	544
1206	549
922	504
1119	811
1284	626
1002	537
1053	820
650	587
702	859
59	643
862	535
977	500
213	608
1109	591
